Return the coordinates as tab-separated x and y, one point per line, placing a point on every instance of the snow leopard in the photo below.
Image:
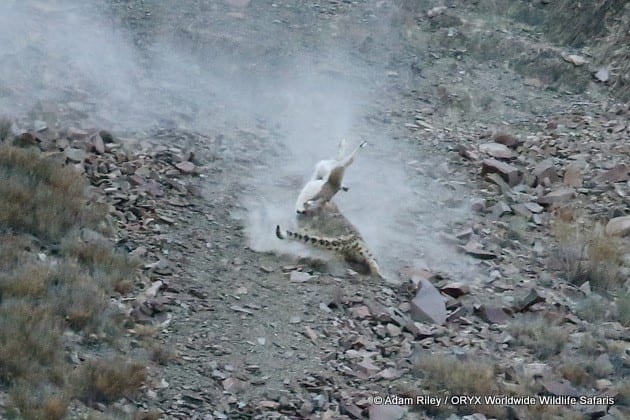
329	229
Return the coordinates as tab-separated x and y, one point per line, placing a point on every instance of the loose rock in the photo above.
428	304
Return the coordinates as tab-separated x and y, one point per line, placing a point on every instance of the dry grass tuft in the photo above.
30	346
113	269
41	403
162	355
591	256
107	380
545	339
576	374
42	204
39	196
593	308
445	373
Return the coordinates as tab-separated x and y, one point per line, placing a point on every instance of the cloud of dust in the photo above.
73	54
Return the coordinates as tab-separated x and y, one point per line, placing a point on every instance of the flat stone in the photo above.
492	314
618	173
507	140
619	226
428	304
500	208
474	249
300	276
534	207
496	150
560	195
509	173
186	167
455	289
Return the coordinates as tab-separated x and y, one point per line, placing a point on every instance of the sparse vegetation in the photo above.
39	196
52	281
575	373
445	373
112	269
541	336
587	255
106	380
42	403
593	308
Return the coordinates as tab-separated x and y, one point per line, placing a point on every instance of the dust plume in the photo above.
221	67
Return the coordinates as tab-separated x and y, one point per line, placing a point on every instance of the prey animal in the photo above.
326	180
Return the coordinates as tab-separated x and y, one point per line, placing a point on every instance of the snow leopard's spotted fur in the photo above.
329	229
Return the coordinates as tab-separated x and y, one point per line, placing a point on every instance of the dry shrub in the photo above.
40	196
446	374
28	280
162	355
30	346
111	268
575	373
39	403
587	255
41	204
599	368
593	308
107	380
76	297
544	338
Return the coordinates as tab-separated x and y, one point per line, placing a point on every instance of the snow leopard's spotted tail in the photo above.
351	247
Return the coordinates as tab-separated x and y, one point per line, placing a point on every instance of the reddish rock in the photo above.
492	314
507	140
510	174
455	289
618	173
467	153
